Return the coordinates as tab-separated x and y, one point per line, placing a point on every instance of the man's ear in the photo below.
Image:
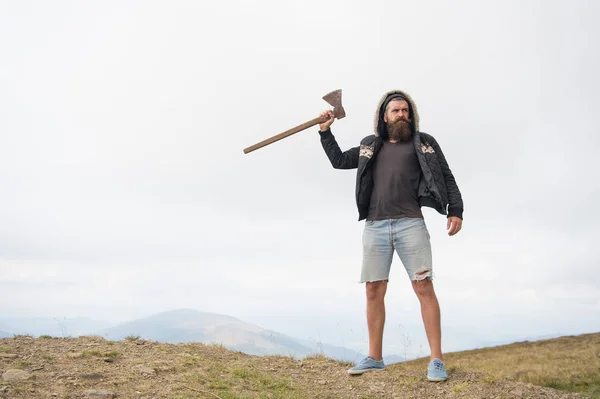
385	118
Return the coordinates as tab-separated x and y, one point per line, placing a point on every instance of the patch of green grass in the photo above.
45	336
241	382
133	337
23	364
260	380
555	384
3	350
461	386
591	389
48	357
489	379
220	385
241	373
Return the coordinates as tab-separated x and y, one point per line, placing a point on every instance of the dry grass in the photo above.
139	369
570	363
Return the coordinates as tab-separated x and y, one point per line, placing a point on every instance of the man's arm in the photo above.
339	159
455	202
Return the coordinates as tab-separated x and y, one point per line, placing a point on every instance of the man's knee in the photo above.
376	290
423	288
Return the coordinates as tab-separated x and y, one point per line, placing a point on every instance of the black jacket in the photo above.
437	188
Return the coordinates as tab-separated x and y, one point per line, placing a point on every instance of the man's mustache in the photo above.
399	120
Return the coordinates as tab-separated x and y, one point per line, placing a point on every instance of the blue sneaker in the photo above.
367	364
436	371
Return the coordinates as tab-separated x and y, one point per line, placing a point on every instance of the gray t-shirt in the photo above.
396	174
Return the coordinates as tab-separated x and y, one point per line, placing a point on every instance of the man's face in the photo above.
396	110
396	118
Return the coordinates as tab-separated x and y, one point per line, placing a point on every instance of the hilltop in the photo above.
93	367
184	325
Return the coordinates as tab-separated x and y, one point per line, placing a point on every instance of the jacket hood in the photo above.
379	124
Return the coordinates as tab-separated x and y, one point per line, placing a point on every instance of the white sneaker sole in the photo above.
436	379
358	372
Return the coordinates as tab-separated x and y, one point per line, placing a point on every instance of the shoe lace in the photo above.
438	366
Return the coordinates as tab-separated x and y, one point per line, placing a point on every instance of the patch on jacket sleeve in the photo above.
366	151
426	148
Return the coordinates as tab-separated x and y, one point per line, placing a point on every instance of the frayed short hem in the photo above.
427	275
373	280
428	278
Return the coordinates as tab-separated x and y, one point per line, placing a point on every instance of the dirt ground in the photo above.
91	367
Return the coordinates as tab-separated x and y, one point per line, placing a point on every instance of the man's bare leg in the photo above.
376	317
430	312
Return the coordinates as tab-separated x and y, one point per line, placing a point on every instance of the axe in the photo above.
334	98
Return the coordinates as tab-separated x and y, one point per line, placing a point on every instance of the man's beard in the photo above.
400	130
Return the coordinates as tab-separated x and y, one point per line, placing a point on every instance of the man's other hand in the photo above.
454	225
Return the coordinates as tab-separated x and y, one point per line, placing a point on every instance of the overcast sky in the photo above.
124	190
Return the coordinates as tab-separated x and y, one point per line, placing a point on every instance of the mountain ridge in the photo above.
189	325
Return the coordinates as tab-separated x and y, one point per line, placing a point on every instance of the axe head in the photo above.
335	99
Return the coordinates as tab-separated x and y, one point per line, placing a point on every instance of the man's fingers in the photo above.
454	226
327	115
452	231
448	224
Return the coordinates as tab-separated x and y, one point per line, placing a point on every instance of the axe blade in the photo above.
335	99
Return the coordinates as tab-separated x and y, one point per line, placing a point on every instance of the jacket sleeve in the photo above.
455	202
339	160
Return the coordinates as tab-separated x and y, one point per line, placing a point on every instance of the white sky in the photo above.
124	190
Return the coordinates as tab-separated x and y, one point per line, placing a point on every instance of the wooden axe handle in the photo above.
285	134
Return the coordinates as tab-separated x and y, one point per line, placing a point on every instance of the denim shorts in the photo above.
408	237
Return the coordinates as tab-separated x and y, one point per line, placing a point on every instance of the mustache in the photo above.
401	120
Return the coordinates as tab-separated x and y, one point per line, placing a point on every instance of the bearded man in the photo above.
400	169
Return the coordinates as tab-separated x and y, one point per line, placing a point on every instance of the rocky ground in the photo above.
91	367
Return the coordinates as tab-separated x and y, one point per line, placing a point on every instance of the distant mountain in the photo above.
187	325
63	327
5	331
